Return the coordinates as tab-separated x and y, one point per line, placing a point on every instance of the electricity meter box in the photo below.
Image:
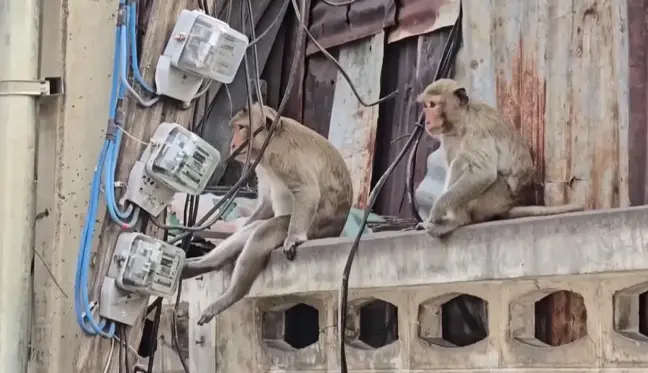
200	47
142	266
175	160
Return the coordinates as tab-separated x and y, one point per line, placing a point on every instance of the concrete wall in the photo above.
511	265
77	44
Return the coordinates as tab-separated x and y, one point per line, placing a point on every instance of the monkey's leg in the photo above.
267	237
219	255
305	201
263	210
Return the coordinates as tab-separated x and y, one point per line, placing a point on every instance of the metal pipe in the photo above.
19	48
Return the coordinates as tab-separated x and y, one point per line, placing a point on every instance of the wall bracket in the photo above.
51	86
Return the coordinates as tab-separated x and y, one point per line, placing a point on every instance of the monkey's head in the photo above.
245	123
444	102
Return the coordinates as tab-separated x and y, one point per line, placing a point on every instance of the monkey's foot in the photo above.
192	268
208	314
439	230
290	246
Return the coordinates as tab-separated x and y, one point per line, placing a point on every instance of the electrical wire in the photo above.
125	343
208	220
256	39
449	54
105	171
345	75
341	3
112	349
132	17
204	89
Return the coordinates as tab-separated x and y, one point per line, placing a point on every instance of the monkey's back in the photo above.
513	156
309	151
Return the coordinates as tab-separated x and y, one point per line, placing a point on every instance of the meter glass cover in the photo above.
209	51
140	265
183	163
166	275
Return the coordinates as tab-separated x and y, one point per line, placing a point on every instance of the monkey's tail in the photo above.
525	211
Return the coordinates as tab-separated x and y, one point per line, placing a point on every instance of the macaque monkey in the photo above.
305	192
489	162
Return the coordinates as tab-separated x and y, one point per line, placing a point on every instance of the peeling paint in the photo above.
521	99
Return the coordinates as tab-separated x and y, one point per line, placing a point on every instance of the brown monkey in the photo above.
489	162
305	192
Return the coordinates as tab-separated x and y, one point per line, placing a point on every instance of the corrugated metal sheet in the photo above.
335	25
559	70
417	17
638	137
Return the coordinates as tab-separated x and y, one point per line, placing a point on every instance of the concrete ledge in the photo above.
576	243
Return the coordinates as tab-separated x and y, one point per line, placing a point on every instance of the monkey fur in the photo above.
489	162
304	192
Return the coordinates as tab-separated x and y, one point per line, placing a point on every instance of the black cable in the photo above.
121	356
124	339
411	167
341	3
447	60
227	198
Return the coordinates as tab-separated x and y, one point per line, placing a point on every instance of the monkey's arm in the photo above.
475	176
306	196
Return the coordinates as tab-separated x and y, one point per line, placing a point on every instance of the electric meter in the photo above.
142	266
200	47
176	160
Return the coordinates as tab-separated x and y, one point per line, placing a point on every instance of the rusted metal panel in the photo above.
319	88
559	70
353	126
638	136
417	17
336	25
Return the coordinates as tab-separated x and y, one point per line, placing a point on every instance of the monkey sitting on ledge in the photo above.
305	192
489	162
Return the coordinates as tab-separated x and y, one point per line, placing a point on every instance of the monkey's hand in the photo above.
438	212
290	245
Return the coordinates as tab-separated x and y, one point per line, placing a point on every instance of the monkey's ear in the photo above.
461	94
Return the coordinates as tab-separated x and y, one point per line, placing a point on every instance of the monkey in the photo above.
489	162
304	192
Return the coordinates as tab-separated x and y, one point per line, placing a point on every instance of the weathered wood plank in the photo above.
353	127
140	123
295	105
560	72
167	359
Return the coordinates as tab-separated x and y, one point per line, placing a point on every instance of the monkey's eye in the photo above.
240	127
431	104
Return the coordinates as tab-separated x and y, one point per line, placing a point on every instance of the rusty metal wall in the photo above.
559	70
638	79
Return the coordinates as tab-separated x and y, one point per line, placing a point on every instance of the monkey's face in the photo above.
240	134
435	122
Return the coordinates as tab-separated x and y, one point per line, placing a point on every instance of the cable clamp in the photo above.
111	130
41	87
122	15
